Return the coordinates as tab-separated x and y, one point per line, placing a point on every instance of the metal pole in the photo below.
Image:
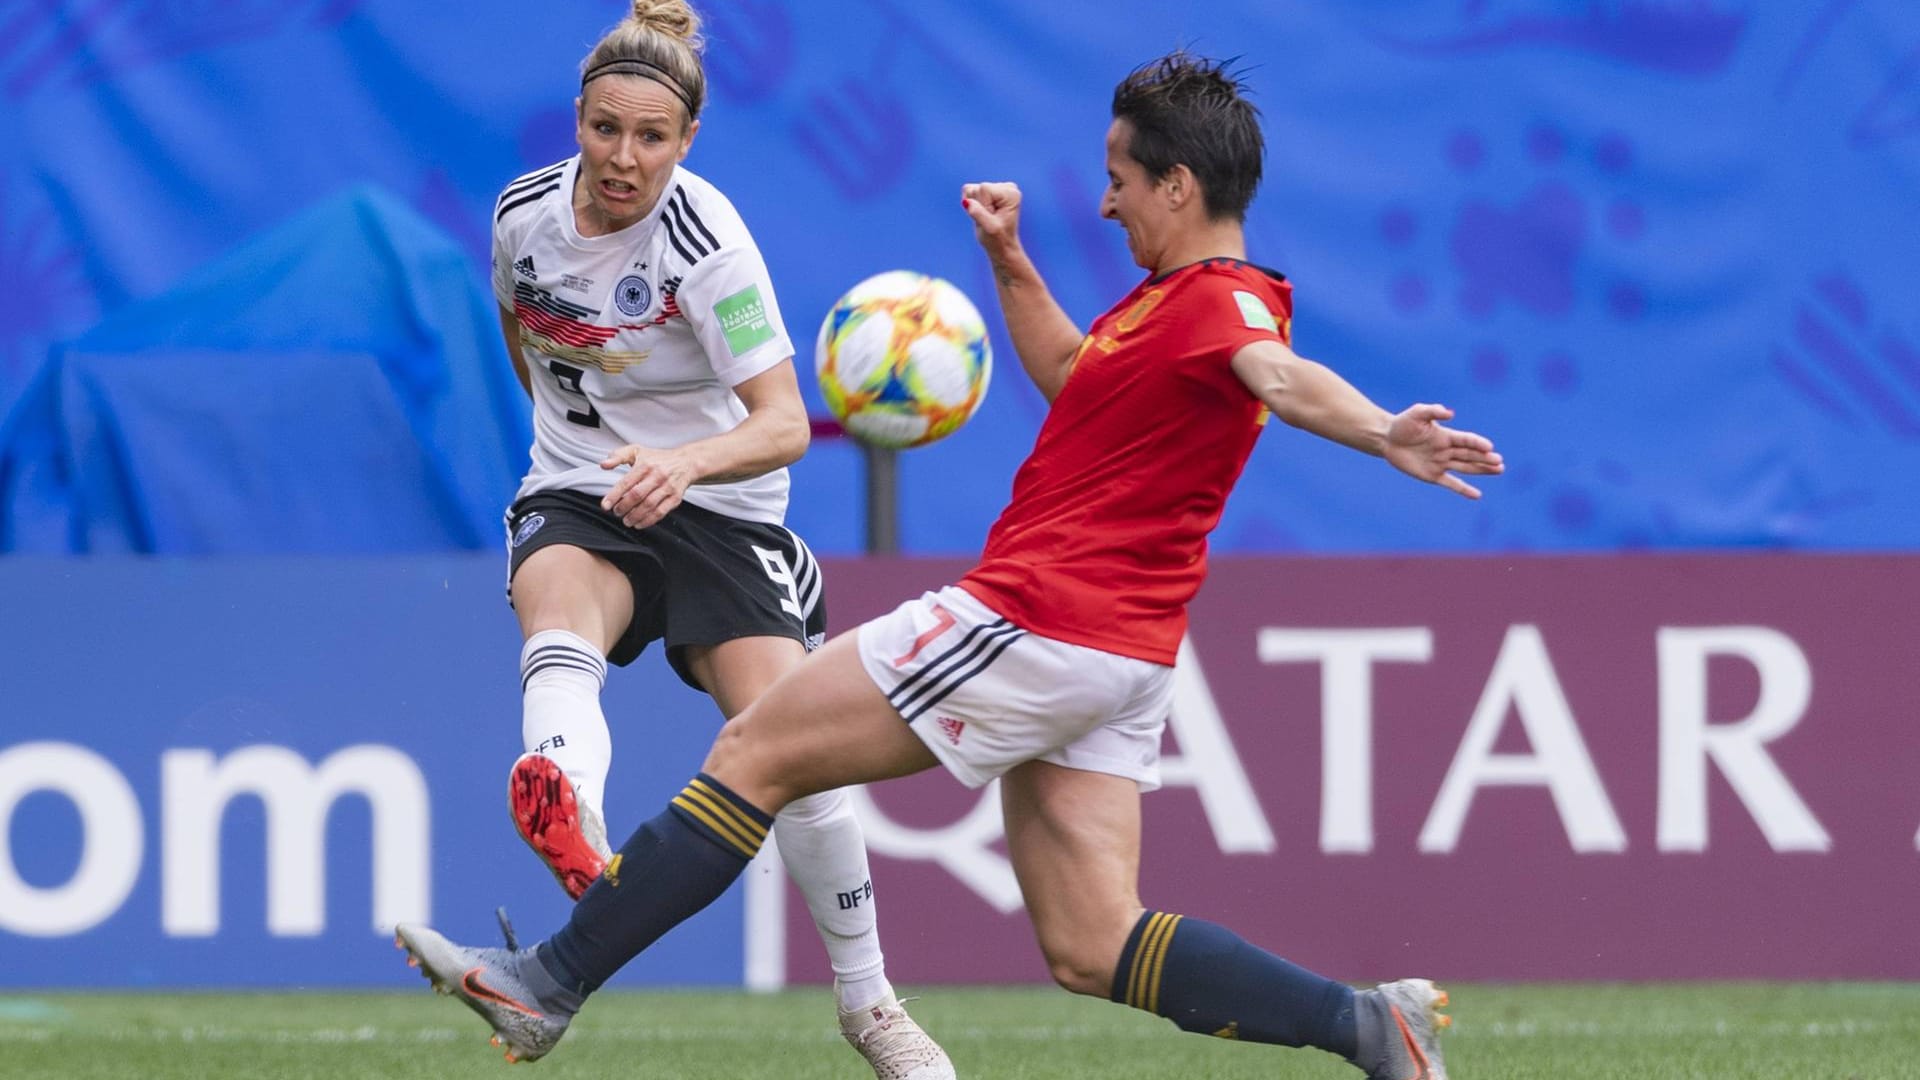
883	500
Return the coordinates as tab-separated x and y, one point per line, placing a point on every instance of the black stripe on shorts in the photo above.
947	672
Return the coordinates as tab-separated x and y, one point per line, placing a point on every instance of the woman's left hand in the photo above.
654	483
1418	445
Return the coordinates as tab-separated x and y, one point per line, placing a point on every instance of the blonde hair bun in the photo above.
675	18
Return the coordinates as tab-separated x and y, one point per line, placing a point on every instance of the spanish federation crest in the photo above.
633	295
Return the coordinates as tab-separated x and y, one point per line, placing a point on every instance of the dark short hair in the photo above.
1187	110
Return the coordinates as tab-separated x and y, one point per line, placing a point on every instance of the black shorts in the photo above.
699	578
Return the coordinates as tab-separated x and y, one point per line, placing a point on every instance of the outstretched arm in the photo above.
1312	397
1043	335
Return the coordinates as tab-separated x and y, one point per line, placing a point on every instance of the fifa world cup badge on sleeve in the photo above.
743	319
1254	311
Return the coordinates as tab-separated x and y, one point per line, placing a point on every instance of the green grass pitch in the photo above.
1630	1032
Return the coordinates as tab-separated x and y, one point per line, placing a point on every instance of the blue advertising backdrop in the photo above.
316	740
1661	249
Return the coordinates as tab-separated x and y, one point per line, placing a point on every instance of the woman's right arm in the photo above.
1042	333
510	329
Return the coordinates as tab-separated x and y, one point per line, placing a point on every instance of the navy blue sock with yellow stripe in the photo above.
1207	979
669	869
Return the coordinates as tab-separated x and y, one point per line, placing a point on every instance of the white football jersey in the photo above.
639	336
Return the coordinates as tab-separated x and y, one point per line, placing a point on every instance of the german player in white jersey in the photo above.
640	318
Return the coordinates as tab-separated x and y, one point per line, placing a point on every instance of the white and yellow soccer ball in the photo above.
903	359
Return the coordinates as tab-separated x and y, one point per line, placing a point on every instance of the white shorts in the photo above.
985	695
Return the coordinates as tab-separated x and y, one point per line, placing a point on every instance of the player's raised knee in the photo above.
742	760
732	750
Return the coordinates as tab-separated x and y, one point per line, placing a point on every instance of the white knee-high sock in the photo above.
561	674
826	855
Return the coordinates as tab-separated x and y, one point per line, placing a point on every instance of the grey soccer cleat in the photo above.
893	1044
488	981
1414	1043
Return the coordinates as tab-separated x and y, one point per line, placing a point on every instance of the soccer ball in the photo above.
903	360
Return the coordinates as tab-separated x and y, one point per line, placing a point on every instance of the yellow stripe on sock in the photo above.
1137	978
719	809
741	818
719	827
1159	964
1150	948
1133	966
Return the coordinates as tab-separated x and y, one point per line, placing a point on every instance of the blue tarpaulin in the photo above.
1662	250
336	385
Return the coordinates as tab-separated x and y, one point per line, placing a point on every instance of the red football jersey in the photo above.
1105	540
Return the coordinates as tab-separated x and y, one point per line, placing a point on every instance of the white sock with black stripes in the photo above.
826	855
561	674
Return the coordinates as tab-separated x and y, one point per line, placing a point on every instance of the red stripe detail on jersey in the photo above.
657	320
669	309
551	326
566	331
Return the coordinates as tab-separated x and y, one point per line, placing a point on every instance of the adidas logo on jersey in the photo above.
525	266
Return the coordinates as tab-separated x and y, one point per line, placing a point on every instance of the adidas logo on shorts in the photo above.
951	728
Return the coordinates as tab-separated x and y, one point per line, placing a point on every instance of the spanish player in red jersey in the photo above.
1049	665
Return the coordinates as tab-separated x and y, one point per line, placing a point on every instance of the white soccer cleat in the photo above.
893	1044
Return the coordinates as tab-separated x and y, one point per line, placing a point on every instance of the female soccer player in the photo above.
1049	665
638	314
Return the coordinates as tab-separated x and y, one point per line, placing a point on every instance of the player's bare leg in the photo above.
821	726
825	853
1074	838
